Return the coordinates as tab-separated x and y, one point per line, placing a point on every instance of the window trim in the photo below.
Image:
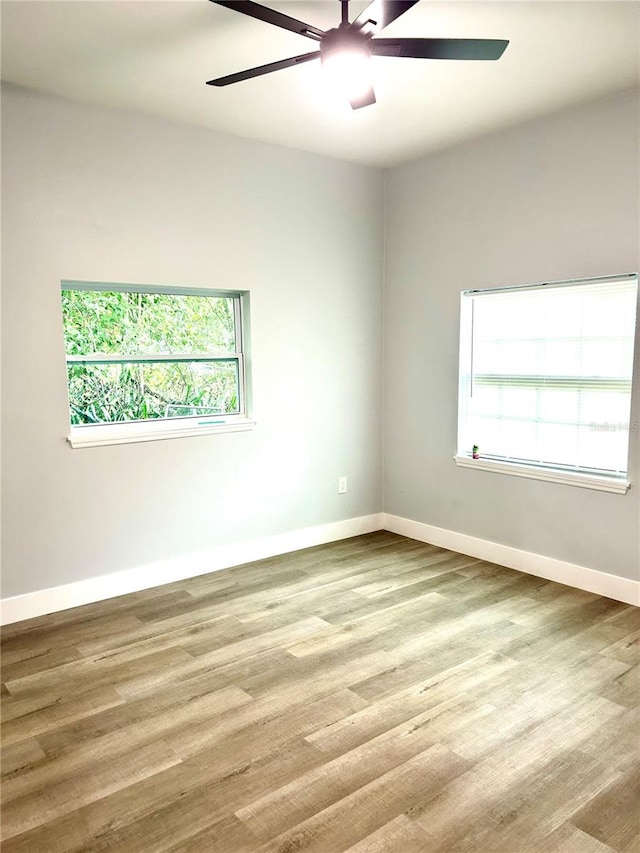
616	485
607	482
127	432
130	432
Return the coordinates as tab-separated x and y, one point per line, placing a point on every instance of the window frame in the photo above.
563	474
154	429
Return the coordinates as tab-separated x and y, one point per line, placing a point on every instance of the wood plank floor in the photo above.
376	694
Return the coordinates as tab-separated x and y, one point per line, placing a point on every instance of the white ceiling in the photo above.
154	57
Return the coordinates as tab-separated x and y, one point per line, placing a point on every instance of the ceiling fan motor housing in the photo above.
344	40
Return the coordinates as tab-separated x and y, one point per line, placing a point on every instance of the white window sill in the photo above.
121	433
568	478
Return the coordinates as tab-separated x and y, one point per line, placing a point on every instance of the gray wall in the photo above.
106	196
99	195
553	199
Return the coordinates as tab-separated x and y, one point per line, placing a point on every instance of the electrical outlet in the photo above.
342	485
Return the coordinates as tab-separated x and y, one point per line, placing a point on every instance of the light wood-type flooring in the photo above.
375	695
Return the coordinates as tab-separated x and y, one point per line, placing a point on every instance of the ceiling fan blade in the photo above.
380	13
270	16
440	48
263	69
363	100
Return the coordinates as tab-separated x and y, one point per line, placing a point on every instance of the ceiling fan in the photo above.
347	49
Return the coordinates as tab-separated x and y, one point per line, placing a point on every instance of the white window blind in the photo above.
545	374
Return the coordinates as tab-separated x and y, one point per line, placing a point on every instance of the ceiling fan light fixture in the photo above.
348	71
346	66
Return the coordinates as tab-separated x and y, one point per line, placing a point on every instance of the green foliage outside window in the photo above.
143	326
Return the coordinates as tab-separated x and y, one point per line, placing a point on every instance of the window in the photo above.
148	362
545	380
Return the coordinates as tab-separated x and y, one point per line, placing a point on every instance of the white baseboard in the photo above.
43	601
52	600
590	580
